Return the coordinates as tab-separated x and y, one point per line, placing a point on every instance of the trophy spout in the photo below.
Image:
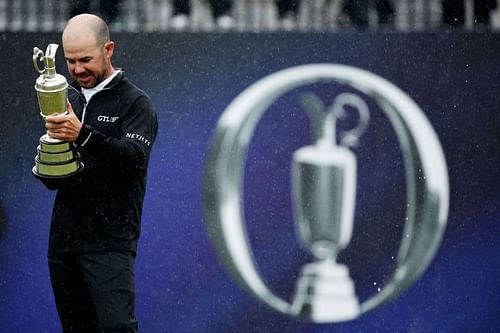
51	50
50	59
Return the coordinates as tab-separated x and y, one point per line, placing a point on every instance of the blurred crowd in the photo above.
222	14
354	13
454	12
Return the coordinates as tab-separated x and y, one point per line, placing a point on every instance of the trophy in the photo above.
323	187
56	158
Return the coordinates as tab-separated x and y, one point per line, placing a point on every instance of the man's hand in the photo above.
64	126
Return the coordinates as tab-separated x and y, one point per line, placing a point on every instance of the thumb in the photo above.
69	107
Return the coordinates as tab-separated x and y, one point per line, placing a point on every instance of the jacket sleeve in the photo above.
129	152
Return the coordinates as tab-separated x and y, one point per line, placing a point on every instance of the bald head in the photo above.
87	49
83	26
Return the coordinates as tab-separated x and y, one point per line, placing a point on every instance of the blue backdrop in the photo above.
181	285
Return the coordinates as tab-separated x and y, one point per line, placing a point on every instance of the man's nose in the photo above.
79	68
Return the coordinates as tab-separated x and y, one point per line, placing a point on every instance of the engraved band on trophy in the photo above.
55	158
323	181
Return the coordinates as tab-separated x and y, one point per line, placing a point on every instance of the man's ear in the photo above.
109	48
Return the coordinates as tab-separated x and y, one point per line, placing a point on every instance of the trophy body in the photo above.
55	158
324	189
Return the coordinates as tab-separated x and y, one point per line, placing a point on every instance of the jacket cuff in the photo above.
84	136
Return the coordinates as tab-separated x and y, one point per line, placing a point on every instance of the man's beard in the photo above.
96	79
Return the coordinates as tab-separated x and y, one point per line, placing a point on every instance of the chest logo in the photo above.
107	119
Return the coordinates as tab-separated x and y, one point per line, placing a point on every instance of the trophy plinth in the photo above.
325	293
55	158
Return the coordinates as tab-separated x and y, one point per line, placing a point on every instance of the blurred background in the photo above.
193	61
255	15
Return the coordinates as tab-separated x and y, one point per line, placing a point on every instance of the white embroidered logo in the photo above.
138	137
107	119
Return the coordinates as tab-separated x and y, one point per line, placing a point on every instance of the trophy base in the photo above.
50	145
56	159
325	293
37	173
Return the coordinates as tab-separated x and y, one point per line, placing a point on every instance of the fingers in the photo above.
54	128
61	121
59	118
57	133
64	132
56	119
65	126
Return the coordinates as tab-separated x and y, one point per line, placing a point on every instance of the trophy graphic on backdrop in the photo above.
323	181
323	187
55	158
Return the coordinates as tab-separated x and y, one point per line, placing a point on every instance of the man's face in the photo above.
88	62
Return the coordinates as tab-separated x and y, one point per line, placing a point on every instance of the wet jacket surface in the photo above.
100	208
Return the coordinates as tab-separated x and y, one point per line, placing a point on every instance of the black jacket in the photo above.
100	208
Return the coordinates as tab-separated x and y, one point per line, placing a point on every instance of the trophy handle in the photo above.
427	177
324	121
37	56
351	137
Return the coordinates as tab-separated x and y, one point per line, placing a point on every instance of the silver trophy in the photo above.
323	191
56	158
323	188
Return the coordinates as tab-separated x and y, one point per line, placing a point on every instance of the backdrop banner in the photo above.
182	286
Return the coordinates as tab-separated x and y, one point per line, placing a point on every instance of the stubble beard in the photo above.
94	82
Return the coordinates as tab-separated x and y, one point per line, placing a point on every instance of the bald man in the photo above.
97	213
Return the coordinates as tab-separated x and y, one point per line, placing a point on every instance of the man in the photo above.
97	213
